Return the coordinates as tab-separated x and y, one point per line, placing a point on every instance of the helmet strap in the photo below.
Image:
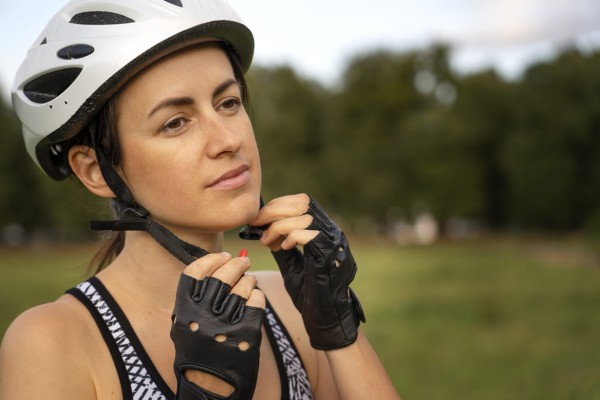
130	220
132	216
112	178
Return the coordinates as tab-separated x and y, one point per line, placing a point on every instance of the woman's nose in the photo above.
223	136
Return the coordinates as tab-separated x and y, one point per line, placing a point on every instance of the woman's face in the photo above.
189	154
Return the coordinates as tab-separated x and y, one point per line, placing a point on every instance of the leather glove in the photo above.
318	283
205	313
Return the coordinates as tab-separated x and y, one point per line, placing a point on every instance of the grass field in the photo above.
491	319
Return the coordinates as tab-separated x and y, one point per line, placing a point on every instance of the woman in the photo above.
143	101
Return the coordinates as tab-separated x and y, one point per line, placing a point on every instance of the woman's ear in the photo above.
84	164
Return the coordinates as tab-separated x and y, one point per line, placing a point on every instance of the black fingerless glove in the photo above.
211	328
318	283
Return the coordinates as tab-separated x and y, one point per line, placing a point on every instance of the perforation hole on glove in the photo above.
206	380
220	338
338	263
194	326
243	346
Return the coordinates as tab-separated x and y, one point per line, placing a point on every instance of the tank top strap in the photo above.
294	379
139	378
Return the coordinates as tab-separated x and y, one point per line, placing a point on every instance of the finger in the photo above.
275	245
282	207
291	264
298	237
244	286
257	299
231	272
280	229
207	265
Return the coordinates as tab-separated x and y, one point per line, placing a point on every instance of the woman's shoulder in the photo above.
46	345
315	363
49	326
271	283
269	280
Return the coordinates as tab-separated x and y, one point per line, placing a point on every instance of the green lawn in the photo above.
496	319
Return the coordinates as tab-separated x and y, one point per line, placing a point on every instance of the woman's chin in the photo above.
223	217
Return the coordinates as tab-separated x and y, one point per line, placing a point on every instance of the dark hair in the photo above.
106	123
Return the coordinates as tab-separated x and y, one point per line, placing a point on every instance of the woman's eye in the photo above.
231	104
173	125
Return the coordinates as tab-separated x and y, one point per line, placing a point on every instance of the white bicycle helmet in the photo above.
90	48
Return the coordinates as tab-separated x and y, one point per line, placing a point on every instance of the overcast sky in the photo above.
318	36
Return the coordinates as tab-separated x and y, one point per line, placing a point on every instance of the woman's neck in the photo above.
147	272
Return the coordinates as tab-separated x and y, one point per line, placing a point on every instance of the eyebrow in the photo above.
175	101
186	101
224	86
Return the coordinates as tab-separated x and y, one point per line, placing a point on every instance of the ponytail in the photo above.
107	253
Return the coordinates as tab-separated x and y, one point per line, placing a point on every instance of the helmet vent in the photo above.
44	41
47	87
100	18
75	51
175	2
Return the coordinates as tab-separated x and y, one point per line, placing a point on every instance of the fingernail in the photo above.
245	260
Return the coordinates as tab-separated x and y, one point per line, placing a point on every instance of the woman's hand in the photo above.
216	329
287	222
318	279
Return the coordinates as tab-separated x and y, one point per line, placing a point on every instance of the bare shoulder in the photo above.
271	283
48	326
315	362
44	345
317	368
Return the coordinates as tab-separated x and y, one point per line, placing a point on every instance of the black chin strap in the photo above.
132	220
133	217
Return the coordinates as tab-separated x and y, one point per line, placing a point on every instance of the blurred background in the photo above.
457	142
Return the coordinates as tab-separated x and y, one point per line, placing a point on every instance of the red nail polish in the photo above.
243	253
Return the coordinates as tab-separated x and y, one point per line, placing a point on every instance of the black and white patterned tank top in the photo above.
139	377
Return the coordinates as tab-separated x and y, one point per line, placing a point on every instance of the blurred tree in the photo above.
399	148
368	165
446	168
481	119
551	158
288	114
442	146
21	199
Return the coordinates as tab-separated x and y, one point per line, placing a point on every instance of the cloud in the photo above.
524	22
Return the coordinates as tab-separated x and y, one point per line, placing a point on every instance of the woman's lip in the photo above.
232	179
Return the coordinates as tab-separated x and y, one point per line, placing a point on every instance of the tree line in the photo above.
400	133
